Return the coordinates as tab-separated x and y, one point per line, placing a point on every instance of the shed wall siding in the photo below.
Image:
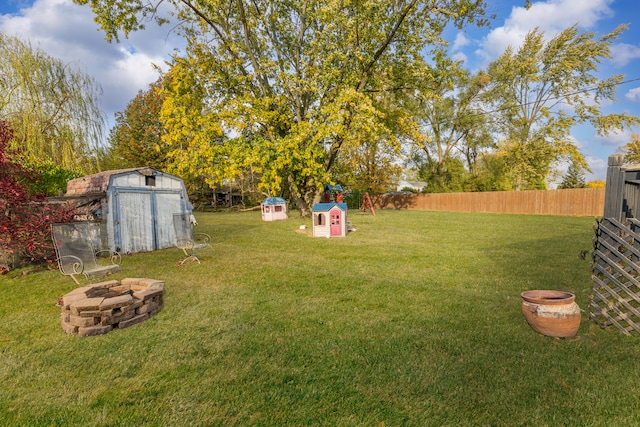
137	180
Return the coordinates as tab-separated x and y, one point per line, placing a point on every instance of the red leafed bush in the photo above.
24	217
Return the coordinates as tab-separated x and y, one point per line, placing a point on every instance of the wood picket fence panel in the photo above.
615	298
569	202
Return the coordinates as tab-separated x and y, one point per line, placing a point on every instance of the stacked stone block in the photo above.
101	307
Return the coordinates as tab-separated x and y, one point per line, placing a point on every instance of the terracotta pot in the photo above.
551	313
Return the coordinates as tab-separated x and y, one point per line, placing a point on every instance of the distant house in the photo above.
329	219
133	208
274	208
417	186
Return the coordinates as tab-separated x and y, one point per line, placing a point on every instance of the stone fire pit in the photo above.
101	307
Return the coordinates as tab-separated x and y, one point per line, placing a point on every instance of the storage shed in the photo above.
274	208
329	219
135	207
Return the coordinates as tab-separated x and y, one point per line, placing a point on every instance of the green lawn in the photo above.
412	320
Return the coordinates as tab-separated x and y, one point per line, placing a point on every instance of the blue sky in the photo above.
68	32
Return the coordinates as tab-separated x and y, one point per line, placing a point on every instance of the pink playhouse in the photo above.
274	208
330	219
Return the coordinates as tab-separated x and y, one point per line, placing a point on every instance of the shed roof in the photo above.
325	207
98	182
274	201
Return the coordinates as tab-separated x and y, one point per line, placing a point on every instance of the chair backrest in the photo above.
73	240
182	227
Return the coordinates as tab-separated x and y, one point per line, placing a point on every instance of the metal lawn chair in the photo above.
76	254
187	240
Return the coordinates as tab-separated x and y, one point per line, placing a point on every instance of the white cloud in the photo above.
598	168
459	56
550	17
615	139
633	95
623	53
68	32
460	41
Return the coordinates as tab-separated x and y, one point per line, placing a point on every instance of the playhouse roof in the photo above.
274	201
329	187
325	207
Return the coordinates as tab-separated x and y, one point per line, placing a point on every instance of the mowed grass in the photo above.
412	320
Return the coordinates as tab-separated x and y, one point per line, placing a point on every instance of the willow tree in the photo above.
540	91
294	81
52	107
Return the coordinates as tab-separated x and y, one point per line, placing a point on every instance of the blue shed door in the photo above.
145	219
135	222
167	205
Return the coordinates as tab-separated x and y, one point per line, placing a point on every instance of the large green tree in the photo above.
136	138
371	166
540	91
51	106
451	126
292	83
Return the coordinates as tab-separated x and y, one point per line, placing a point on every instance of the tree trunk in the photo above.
305	201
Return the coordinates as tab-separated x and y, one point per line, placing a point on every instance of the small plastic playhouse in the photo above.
330	219
274	208
330	216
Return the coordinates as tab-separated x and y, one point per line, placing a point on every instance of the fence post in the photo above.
614	193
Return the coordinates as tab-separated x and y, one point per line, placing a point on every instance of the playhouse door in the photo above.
335	228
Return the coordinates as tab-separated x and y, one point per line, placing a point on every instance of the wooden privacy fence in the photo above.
570	202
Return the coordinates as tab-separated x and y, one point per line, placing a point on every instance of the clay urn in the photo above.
551	313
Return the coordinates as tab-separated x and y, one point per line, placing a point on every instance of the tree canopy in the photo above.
631	150
136	138
540	91
297	94
290	84
451	125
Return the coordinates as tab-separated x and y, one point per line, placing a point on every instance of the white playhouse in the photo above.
274	208
329	219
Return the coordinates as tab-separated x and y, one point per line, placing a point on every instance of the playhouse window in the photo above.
150	181
278	208
320	219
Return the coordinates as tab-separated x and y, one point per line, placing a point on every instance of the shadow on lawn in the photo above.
561	262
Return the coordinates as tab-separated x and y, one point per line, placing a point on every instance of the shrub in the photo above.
24	217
